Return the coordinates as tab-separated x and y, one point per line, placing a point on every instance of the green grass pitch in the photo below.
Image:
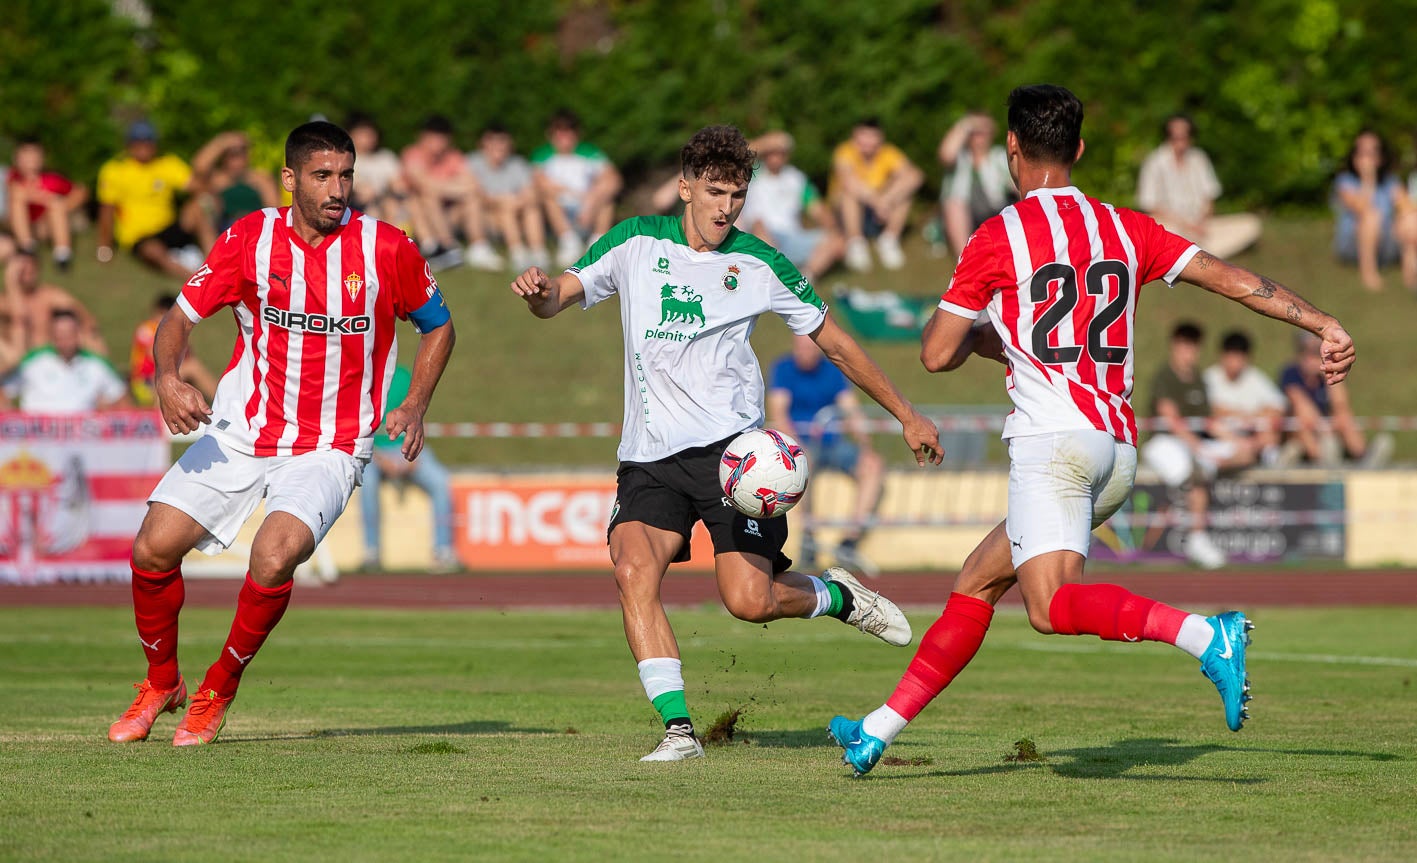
382	735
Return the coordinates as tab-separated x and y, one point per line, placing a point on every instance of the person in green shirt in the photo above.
426	472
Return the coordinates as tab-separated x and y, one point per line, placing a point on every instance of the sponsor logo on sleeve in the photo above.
199	276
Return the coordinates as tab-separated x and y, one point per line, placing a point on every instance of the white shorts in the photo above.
1176	465
1061	486
220	488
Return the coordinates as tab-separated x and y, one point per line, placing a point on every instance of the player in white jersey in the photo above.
1059	274
691	290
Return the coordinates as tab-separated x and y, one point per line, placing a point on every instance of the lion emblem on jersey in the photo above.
679	304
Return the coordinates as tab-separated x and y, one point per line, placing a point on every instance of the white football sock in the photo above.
824	597
1195	635
660	675
884	723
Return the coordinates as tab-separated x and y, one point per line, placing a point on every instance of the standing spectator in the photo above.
778	197
1243	398
437	172
1326	429
137	196
1183	455
62	377
42	203
142	368
977	184
508	200
804	389
424	471
577	186
230	188
1377	222
872	185
380	188
31	304
1178	186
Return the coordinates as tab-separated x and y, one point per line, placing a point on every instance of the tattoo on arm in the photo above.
1266	288
1292	312
1204	260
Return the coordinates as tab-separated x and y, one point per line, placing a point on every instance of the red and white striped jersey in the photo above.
315	346
1060	274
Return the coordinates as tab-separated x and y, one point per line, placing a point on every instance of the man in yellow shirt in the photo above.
137	196
871	188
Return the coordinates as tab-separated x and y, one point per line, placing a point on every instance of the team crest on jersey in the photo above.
353	284
730	278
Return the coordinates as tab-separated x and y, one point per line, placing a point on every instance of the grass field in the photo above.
377	735
510	366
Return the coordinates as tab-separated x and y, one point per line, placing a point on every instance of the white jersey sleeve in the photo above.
792	297
600	269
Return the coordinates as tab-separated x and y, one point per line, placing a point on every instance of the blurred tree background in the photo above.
1277	87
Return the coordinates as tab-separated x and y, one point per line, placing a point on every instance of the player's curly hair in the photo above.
719	153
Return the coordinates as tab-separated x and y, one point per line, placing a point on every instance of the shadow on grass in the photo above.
472	727
1114	761
802	739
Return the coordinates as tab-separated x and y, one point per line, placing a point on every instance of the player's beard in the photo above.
315	215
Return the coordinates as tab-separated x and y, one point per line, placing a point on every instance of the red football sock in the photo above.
258	610
1112	613
157	600
948	646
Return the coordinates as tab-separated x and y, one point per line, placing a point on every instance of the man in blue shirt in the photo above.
806	391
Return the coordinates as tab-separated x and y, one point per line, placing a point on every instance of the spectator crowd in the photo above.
494	209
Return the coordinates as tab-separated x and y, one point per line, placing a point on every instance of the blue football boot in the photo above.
1223	663
862	751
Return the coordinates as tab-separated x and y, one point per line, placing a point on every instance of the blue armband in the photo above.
432	314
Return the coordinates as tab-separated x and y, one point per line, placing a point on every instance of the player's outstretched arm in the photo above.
950	339
184	410
545	296
1271	299
434	348
920	433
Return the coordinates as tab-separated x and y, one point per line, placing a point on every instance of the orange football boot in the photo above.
138	719
204	720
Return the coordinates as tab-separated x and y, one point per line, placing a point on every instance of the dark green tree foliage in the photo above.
1277	87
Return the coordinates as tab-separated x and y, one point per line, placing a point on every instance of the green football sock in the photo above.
834	608
672	708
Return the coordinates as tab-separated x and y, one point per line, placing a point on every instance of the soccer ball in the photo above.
763	473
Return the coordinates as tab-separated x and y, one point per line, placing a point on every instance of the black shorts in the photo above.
172	236
678	490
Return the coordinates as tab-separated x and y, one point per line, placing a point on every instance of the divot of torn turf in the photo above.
1025	752
916	761
721	732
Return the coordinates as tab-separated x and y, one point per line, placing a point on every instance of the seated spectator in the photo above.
380	188
137	196
872	185
977	183
388	463
230	188
1189	449
142	370
508	199
31	304
1326	430
779	196
576	185
42	204
1178	187
437	173
804	388
1243	398
62	377
1377	222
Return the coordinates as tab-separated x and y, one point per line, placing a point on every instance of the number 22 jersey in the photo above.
1060	274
